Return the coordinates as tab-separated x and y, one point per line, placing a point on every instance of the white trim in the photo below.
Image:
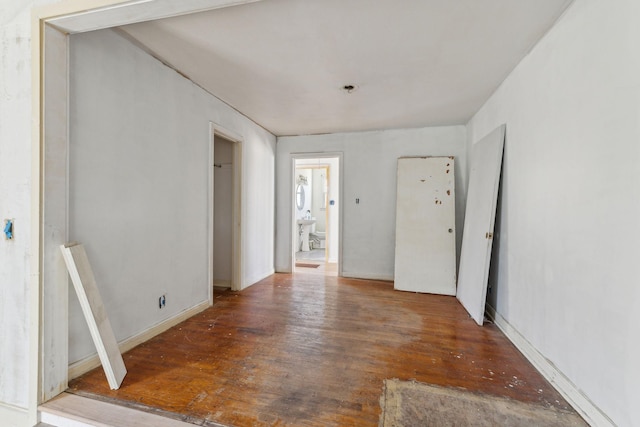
36	259
70	410
54	214
85	365
226	133
292	216
210	213
131	12
366	276
585	407
14	416
222	283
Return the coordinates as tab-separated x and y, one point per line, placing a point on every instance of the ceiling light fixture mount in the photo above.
349	88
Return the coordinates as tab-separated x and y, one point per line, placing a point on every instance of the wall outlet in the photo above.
162	301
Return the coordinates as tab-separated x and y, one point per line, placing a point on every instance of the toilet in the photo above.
317	239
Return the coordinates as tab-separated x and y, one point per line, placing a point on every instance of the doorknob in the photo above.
451	230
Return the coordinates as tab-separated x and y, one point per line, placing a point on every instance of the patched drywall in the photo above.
139	183
565	266
369	174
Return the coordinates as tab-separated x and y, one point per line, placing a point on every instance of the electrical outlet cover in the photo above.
8	229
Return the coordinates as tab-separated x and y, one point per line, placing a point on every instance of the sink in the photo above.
305	227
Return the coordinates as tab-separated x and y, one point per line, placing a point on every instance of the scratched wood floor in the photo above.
309	350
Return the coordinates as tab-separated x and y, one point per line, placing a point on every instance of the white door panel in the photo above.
477	240
425	257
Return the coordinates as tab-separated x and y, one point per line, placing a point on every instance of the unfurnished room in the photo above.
319	213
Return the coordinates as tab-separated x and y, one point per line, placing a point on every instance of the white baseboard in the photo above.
85	365
13	416
287	270
581	403
222	283
352	275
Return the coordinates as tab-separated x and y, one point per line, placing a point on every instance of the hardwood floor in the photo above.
310	350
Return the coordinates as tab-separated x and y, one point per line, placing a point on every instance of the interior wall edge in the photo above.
256	278
580	402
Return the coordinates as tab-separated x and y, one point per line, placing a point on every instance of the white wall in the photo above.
370	163
566	276
15	186
139	172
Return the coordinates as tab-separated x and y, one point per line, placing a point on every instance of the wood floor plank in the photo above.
310	350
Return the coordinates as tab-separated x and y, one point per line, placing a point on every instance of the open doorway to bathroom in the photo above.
316	220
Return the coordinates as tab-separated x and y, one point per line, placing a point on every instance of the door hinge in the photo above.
489	235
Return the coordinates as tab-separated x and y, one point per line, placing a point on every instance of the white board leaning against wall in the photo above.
477	240
86	288
425	256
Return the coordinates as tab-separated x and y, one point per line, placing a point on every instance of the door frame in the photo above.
292	205
51	26
236	214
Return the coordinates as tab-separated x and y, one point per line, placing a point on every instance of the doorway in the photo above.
316	219
222	211
48	365
225	224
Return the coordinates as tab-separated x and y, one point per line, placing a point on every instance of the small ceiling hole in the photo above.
349	88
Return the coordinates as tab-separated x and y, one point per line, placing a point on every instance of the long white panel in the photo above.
55	289
477	238
87	290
